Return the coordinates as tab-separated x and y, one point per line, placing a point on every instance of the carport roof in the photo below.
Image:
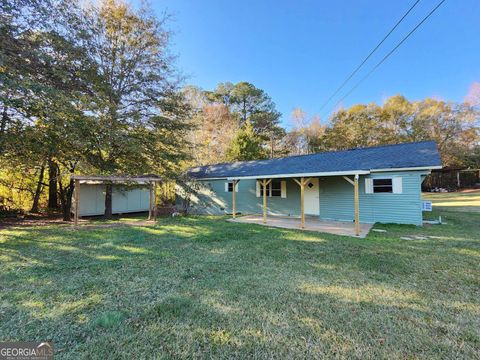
407	156
98	179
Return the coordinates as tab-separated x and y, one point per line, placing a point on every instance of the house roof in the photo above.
406	156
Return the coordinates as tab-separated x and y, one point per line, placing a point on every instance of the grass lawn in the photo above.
457	201
207	288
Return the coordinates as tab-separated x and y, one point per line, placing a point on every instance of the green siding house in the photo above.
387	180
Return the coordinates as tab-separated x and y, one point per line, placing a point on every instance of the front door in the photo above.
312	197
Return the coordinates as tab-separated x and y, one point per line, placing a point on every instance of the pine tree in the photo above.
246	145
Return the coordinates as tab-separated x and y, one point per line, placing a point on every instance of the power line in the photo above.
369	55
388	55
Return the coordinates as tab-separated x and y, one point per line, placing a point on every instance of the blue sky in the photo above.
300	51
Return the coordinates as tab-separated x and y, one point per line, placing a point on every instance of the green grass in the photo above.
207	288
455	201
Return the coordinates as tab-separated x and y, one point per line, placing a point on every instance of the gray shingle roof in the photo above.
407	155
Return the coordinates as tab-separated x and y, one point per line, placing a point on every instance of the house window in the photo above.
230	187
382	186
276	188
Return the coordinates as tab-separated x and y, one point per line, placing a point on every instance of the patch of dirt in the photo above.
469	191
31	220
88	224
93	222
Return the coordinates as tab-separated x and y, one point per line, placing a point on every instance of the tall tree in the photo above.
138	106
247	145
307	134
214	131
248	102
453	126
42	84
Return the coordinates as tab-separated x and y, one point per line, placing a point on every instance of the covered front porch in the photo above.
309	194
312	223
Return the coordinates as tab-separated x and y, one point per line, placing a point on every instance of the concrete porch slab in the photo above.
311	224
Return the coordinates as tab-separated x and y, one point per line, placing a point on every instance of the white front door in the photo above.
312	197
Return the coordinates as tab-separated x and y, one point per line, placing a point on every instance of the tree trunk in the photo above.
38	191
52	185
108	201
3	127
66	196
244	111
271	146
3	122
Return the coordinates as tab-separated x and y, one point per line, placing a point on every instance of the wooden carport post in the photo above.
155	201
151	201
234	197
264	184
356	202
302	184
77	201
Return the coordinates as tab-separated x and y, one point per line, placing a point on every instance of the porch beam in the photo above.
349	180
150	201
302	203
354	182
264	184
302	182
234	198
305	175
155	201
357	207
77	201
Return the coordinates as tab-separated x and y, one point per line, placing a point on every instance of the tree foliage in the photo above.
454	127
247	145
227	109
87	89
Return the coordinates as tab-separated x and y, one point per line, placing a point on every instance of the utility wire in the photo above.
369	55
388	55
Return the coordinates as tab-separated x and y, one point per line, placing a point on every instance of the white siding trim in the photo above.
236	186
257	189
284	188
226	186
368	186
397	185
408	168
